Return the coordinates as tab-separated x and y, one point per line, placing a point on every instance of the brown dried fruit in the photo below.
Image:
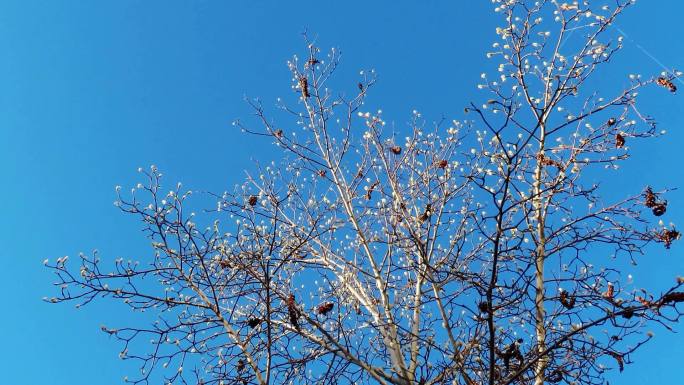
566	300
667	236
664	82
370	189
252	200
659	209
619	141
325	308
292	311
253	322
396	150
675	296
442	164
611	122
609	292
649	198
619	359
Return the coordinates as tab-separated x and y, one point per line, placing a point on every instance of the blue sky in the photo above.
90	91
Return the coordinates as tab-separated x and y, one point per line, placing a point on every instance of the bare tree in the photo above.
462	253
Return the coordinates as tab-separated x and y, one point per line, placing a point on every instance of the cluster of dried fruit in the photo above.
667	83
325	308
619	359
371	188
254	322
511	351
566	300
651	201
667	236
610	291
546	161
426	214
293	311
252	200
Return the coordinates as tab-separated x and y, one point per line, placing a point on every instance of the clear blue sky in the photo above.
90	91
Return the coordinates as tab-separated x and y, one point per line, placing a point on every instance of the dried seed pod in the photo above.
619	141
619	359
649	198
611	122
442	163
360	85
628	313
659	209
483	307
240	366
675	296
278	133
396	150
292	311
252	200
566	300
325	308
667	236
253	322
322	173
426	214
370	189
312	62
224	263
664	82
304	86
610	291
546	161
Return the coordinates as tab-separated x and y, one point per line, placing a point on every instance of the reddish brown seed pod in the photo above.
372	187
253	322
442	163
659	209
610	291
611	122
292	311
667	236
619	359
278	133
252	200
396	150
240	366
322	173
664	82
649	198
325	308
566	300
619	141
